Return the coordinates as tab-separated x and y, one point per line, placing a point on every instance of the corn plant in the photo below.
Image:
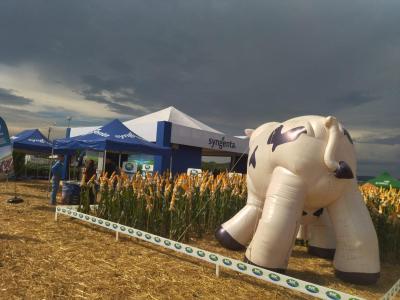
190	206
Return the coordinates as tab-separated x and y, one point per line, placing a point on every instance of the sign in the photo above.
147	169
6	160
234	174
182	135
129	167
194	172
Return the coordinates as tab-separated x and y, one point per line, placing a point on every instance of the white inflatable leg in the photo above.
322	242
237	232
357	253
302	233
272	244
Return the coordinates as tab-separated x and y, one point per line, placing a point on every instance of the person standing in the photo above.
90	171
56	171
110	167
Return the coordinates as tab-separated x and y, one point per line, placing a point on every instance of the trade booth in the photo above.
188	138
31	141
385	180
110	140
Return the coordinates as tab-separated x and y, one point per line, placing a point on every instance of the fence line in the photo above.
213	258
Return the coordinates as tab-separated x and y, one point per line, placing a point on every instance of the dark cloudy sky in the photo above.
232	64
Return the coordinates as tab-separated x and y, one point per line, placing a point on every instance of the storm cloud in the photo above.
9	97
231	64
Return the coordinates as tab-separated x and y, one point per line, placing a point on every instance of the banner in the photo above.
6	160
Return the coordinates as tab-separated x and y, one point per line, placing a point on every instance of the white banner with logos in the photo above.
204	139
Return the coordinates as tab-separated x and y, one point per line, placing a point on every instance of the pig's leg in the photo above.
273	241
236	233
357	253
321	241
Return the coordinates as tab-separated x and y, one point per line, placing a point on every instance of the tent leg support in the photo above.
117	236
217	270
55	217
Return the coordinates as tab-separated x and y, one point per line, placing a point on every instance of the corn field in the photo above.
384	207
190	206
177	208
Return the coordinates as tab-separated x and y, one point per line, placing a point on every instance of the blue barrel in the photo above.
71	192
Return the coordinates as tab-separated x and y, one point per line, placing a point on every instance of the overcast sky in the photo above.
232	64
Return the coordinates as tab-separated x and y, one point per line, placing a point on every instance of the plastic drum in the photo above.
71	192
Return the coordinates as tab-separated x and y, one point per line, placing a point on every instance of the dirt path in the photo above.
44	259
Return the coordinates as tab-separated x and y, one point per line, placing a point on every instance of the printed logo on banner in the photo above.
221	144
100	133
125	136
129	167
42	141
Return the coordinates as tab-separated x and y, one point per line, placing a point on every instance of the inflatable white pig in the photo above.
301	166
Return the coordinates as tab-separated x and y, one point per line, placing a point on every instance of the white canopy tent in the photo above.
185	131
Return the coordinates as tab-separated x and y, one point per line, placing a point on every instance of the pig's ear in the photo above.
248	132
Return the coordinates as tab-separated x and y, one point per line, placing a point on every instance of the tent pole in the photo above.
119	160
26	174
48	182
104	161
170	166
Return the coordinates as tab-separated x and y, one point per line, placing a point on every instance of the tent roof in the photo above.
185	130
173	115
113	136
147	124
31	140
385	180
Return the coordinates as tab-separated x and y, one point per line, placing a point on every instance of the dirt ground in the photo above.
68	259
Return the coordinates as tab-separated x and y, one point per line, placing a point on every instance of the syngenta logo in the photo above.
100	133
221	143
125	136
37	141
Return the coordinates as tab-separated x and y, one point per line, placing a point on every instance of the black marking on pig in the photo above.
278	138
252	161
304	213
344	171
347	134
318	212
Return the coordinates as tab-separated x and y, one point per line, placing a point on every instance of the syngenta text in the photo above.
221	143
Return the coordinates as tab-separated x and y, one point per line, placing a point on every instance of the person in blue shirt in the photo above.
56	170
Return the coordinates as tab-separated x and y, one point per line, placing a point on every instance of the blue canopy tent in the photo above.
113	137
31	140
